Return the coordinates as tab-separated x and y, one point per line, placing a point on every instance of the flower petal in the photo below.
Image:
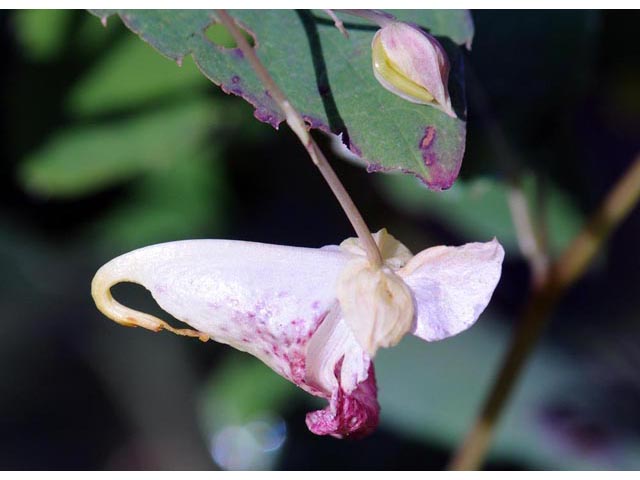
336	363
267	300
377	305
394	253
354	415
333	343
452	286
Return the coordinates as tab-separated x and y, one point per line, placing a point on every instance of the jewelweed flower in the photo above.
311	315
411	63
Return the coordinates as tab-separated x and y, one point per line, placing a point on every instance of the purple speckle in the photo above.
267	116
355	149
441	178
236	52
234	89
315	305
235	79
429	159
316	123
353	415
428	139
375	167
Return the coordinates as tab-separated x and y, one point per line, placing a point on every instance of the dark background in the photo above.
80	392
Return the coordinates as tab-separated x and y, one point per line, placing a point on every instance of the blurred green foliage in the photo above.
41	33
136	120
83	159
181	201
241	390
129	76
478	209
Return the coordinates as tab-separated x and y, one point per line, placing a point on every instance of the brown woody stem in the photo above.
545	294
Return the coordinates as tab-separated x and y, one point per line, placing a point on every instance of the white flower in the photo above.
309	314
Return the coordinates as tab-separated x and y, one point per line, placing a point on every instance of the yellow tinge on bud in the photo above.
412	64
394	253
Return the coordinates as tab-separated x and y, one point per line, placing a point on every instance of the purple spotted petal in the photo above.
352	415
452	286
277	303
337	361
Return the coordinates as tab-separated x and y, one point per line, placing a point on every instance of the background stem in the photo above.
545	294
378	17
297	124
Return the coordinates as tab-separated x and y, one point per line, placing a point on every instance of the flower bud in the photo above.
376	303
412	64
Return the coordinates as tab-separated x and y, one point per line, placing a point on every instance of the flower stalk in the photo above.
378	17
297	124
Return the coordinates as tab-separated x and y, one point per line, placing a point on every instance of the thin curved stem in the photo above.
337	22
379	17
526	233
562	274
297	124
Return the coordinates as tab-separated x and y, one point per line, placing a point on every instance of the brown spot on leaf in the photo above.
428	138
426	146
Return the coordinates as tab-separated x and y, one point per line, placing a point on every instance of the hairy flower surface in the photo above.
304	312
411	63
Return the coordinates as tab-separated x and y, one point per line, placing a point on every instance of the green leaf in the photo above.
129	75
478	209
184	200
329	79
41	33
83	159
438	402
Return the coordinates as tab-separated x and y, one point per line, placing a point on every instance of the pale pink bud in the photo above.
412	64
